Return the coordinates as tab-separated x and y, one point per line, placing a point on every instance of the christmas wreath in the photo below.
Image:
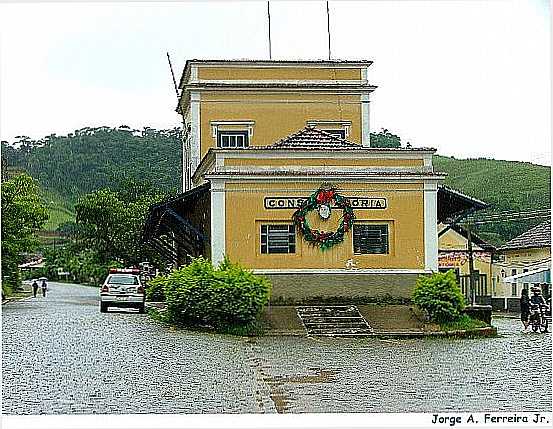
322	200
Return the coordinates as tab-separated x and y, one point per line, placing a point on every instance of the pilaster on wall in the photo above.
217	221
365	114
431	226
195	134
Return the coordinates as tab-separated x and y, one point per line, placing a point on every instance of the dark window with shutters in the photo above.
370	239
278	238
232	139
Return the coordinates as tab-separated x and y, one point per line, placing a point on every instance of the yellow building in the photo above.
279	175
453	254
525	253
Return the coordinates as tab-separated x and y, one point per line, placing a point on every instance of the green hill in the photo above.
90	158
505	185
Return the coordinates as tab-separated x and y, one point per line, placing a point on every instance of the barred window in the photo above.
278	238
513	285
370	239
232	139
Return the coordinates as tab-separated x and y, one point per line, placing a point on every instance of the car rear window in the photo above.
122	279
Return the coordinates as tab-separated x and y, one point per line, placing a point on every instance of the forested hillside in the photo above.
91	158
506	185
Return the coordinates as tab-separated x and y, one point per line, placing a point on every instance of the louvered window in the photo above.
370	239
279	238
232	139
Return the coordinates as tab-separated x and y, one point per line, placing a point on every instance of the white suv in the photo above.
122	288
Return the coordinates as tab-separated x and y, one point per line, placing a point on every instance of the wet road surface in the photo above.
60	355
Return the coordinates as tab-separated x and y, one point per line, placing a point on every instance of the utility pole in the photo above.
328	27
471	265
269	20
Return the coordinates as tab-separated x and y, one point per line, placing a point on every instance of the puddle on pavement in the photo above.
277	389
276	384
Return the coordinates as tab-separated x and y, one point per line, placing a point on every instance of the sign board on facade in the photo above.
295	202
457	259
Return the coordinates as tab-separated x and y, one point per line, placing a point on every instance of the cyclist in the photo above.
537	298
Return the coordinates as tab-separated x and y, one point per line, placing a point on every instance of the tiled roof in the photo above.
539	236
311	137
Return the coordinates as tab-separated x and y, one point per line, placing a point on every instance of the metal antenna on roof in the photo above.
269	19
185	174
173	75
328	28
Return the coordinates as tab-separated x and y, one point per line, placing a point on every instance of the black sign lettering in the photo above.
293	203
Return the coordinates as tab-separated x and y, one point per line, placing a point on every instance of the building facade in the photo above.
525	253
267	145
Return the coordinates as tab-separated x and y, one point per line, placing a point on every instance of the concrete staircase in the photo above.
333	321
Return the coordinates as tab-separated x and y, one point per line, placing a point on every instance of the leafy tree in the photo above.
111	222
84	265
23	212
384	138
68	229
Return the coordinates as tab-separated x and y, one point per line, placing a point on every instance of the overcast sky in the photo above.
471	78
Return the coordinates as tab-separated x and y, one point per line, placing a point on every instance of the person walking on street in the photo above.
35	288
44	288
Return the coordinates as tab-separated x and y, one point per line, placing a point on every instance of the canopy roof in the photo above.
454	206
539	275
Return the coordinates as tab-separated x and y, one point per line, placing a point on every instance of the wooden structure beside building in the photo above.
453	254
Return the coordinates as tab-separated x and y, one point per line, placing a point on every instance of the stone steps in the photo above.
333	321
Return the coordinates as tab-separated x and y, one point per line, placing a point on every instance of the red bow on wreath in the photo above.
325	196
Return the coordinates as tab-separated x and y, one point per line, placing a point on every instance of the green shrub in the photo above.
221	297
439	296
154	289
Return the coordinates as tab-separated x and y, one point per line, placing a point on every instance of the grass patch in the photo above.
463	323
59	209
56	216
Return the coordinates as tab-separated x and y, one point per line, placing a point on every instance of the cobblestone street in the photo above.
60	355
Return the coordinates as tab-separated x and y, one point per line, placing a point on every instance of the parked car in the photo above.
122	288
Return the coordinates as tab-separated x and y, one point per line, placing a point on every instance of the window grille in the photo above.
370	239
279	238
232	139
513	285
